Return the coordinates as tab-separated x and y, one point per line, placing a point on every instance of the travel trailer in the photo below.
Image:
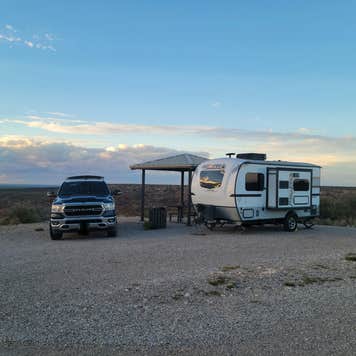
247	189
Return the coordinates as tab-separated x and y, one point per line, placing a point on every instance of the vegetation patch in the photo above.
217	280
351	257
231	285
213	293
229	268
21	215
178	296
308	280
290	284
320	266
338	207
255	301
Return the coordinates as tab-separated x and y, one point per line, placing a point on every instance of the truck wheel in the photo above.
111	232
290	222
55	235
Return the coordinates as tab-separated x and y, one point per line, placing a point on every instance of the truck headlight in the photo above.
57	208
109	206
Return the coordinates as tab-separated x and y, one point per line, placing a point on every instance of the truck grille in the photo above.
83	210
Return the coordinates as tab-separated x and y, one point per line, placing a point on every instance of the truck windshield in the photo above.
83	188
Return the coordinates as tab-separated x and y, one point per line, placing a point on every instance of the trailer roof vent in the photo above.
230	154
252	156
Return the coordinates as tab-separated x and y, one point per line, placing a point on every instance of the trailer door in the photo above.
289	188
294	188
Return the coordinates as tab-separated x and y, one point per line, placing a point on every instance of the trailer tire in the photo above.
290	222
210	226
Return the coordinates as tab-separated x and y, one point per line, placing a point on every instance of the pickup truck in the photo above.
82	204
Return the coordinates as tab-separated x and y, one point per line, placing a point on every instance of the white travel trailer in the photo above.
249	190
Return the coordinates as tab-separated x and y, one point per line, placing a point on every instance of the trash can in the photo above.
158	218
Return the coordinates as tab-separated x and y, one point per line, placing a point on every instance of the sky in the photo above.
94	86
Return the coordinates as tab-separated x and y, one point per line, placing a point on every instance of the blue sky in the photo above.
208	77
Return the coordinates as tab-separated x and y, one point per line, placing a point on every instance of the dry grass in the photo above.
338	205
20	215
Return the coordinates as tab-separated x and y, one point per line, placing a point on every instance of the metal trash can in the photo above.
158	218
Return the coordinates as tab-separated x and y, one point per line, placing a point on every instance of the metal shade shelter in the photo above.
180	163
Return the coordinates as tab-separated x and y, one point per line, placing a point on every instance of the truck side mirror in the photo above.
116	192
51	195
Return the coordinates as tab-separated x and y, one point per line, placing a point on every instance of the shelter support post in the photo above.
182	196
143	195
189	221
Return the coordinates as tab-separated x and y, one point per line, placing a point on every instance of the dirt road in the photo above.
262	291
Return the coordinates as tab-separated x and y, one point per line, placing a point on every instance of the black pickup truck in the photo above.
83	204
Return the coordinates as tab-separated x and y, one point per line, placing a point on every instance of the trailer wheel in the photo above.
291	222
210	226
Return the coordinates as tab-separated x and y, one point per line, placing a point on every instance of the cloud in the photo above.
300	145
10	28
42	161
9	35
55	117
60	114
84	127
216	104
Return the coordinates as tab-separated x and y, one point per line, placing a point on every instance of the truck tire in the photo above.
290	222
111	232
55	235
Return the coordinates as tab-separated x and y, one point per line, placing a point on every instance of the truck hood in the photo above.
84	199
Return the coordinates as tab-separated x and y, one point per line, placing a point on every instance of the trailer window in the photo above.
301	185
283	184
211	179
254	181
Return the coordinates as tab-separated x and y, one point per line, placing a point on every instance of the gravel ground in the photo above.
170	291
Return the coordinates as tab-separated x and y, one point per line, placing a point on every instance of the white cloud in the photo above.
216	104
9	35
44	161
49	36
60	114
10	28
301	145
54	118
28	43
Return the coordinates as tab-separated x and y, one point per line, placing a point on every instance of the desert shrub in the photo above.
338	209
21	215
